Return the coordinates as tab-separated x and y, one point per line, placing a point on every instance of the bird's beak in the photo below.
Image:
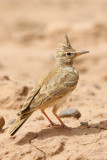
81	53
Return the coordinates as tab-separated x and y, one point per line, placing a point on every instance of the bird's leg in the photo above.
54	112
52	123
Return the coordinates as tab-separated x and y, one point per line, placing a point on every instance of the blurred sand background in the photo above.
30	32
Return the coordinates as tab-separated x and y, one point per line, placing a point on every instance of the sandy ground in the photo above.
30	32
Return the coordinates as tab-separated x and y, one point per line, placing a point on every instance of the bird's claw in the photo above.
58	125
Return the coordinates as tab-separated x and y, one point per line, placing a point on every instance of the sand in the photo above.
30	32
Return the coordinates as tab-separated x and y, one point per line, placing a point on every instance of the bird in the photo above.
53	89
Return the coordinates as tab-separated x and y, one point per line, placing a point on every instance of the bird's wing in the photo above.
30	98
51	90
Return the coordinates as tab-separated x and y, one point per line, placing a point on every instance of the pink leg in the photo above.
51	123
47	118
62	123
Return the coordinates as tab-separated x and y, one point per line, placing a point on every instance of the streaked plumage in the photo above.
53	88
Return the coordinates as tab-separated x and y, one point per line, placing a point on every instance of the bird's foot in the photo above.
53	124
58	125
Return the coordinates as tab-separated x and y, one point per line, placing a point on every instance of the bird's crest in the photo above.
66	46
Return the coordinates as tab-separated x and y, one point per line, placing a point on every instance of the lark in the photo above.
53	89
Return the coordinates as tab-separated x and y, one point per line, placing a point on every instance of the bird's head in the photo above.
66	54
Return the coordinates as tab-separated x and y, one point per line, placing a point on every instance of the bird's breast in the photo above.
75	72
73	75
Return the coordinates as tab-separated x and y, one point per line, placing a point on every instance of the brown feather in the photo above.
17	124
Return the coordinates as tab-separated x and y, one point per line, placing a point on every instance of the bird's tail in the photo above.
18	123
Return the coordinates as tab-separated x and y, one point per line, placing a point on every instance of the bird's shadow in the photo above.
52	132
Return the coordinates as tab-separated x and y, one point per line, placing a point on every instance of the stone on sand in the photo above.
70	112
2	122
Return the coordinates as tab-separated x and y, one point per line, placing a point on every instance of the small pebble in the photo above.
40	118
84	123
11	122
2	122
70	112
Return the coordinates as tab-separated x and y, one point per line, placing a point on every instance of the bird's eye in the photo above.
68	53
